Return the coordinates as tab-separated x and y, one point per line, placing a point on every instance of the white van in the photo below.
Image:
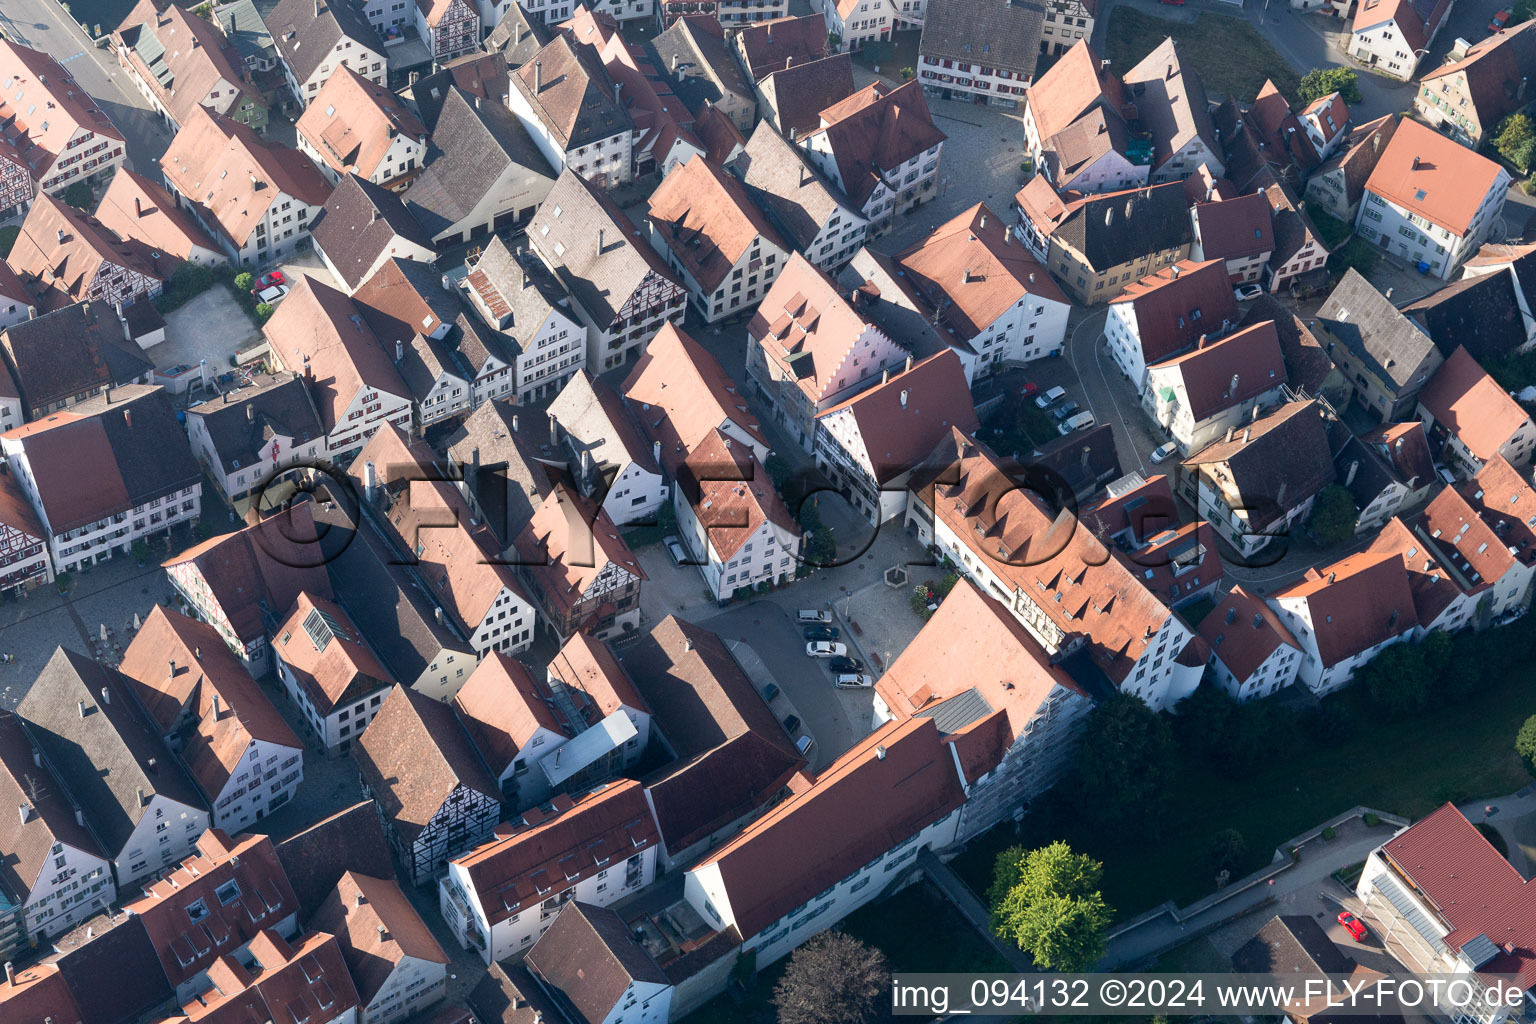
1082	421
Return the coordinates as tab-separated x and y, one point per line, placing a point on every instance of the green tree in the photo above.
1334	515
1401	679
1525	744
832	979
1124	764
1048	901
1516	140
1320	82
1227	851
79	196
244	281
263	312
8	236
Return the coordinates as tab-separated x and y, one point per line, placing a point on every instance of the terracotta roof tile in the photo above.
589	665
1243	631
800	92
1356	603
874	131
46	87
591	958
1069	88
767	45
352	123
48	813
1431	175
901	419
707	222
139	208
1505	500
502	705
327	655
376	927
1470	405
1176	306
1236	228
1227	372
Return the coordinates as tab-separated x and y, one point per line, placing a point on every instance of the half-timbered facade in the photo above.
579	570
23	542
450	27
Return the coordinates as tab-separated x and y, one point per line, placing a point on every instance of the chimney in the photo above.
1349	477
538	76
554	429
172	674
880	753
216	708
128	418
370	480
85	310
1389	292
399	350
31	312
82	708
687	643
793	132
967	275
1008	235
138	207
1232	387
1173	272
981	224
617	88
514	423
1169	74
106	695
26	812
885	375
250	413
383	933
1229	433
1520	94
586	464
61	234
908	365
359	899
656	451
904	394
601	233
1246	432
10	973
79	817
142	801
437	615
150	764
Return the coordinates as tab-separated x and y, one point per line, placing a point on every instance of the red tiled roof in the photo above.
731	496
1243	631
375	927
1413	17
1507	503
339	672
1356	603
1166	304
1221	374
1468	403
1236	228
1432	175
39	994
1072	85
874	131
897	781
589	665
502	705
1476	891
568	544
707	221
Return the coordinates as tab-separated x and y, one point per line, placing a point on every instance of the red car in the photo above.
273	278
1172	3
1029	388
1500	20
1353	925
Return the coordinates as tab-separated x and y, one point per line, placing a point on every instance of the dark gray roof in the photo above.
1086	460
526	286
996	34
601	279
103	757
477	74
1372	473
1118	227
509	995
304	31
781	179
242	428
349	840
518	465
122	951
70	351
1286	461
1379	334
1481	313
695	48
471	148
244	29
518	37
957	712
389	609
147	441
800	93
894	309
359	223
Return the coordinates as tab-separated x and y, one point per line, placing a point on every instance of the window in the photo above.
227	893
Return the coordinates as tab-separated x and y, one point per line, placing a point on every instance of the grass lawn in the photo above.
900	52
916	929
8	236
1396	766
1233	58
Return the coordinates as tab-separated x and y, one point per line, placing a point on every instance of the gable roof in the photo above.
349	840
360	223
1505	500
800	92
1429	174
256	573
1069	88
502	706
704	69
568	87
900	419
1358	156
1494	70
707	222
1243	631
1355	603
595	249
327	655
181	56
37	995
732	755
231	174
479	76
782	179
731	499
888	788
305	32
1480	313
1177	306
66	249
242	432
1219	375
567	545
517	37
679	393
352	123
997	35
1116	227
47	813
1276	463
1170	102
1471	406
1414	18
138	208
590	666
206	698
590	958
1236	228
473	145
546	848
45	86
375	927
70	351
413	756
772	45
874	131
1381	336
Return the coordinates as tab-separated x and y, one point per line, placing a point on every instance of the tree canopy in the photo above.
1048	901
1334	515
832	979
1124	763
1320	82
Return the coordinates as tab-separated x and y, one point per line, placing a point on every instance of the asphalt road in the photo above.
43	25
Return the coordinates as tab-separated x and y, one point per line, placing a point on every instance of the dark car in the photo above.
845	665
820	632
1070	409
792	724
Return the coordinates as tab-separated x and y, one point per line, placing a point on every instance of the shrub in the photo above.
1320	82
1525	744
79	196
1516	140
1330	834
263	312
244	281
1334	515
8	236
1371	819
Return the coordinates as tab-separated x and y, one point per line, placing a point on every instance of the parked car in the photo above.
1247	292
271	278
1050	398
845	665
1082	421
272	294
1029	388
1070	409
1172	3
792	724
854	680
1500	20
812	615
820	632
1164	452
770	691
825	649
804	745
675	550
1353	925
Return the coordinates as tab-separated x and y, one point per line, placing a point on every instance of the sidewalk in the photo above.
962	899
